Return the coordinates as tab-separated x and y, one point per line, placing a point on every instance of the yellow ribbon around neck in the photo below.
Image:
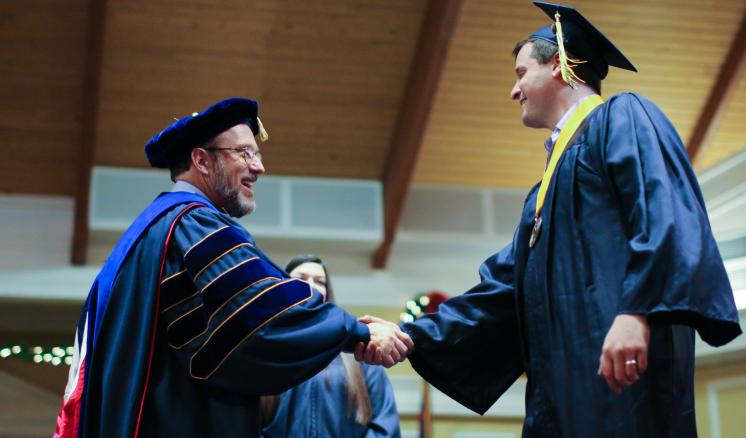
568	131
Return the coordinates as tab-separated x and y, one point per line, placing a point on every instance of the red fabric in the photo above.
68	420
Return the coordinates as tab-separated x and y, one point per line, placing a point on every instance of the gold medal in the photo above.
535	232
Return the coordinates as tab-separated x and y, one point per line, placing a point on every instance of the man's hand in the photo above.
388	343
624	356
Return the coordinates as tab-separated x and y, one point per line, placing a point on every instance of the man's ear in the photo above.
556	66
201	160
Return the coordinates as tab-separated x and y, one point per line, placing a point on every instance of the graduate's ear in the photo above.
201	161
556	66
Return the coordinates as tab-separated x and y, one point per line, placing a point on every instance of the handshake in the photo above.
388	344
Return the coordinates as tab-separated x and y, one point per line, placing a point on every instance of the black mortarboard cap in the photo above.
582	39
170	145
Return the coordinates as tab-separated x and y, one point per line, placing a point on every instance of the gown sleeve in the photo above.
384	422
237	321
470	348
675	272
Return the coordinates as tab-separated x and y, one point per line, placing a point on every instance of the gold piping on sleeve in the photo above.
310	294
218	257
197	292
208	284
172	276
176	320
228	270
209	320
203	239
168	327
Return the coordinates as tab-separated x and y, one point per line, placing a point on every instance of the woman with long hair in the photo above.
346	399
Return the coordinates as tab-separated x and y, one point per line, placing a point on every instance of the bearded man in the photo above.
189	322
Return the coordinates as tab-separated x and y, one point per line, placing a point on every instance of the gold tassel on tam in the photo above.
566	63
263	136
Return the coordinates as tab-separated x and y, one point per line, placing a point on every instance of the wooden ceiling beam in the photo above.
427	67
723	88
89	119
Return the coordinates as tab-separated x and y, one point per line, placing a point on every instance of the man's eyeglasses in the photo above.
247	153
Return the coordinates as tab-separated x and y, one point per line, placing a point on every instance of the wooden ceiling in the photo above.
476	137
42	62
87	82
730	132
331	77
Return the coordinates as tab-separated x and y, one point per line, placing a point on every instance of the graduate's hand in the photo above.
384	347
624	356
388	343
400	334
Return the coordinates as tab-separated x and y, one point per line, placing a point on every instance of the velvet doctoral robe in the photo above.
197	323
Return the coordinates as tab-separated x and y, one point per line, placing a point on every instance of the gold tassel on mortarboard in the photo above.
566	63
263	136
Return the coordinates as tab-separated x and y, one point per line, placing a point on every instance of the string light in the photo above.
54	355
406	317
421	305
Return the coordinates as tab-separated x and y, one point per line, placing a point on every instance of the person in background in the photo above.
346	399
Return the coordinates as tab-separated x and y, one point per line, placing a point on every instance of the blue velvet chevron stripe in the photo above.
187	327
248	318
217	294
212	247
235	280
176	289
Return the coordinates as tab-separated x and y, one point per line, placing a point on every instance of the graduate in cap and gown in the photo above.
189	322
612	269
347	399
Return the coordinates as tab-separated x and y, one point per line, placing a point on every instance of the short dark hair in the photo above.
182	163
544	51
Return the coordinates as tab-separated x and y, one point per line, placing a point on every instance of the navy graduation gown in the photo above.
625	231
319	407
230	326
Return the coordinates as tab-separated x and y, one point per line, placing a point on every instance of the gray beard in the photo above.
233	203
